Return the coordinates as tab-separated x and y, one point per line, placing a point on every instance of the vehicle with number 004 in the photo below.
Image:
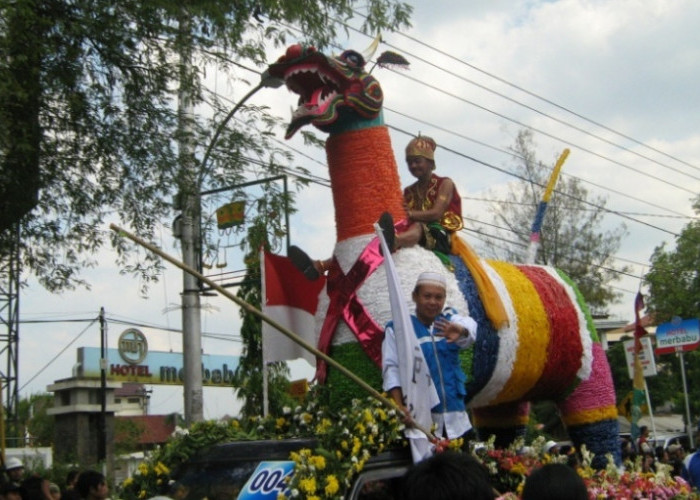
247	470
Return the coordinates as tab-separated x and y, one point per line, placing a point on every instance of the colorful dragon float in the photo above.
541	346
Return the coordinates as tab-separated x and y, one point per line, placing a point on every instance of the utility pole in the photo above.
190	221
102	425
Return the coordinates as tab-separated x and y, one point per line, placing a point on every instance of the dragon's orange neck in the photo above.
364	180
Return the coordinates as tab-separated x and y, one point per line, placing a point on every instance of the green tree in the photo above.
674	277
34	421
89	126
571	236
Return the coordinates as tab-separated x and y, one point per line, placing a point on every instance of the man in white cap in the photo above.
441	333
15	470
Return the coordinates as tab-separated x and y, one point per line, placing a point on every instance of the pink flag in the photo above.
291	300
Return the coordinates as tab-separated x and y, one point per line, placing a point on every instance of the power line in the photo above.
515	155
525	91
59	354
553	118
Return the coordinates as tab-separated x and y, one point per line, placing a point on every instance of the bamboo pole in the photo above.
389	403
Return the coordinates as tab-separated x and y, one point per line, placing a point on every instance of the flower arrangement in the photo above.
149	479
510	467
348	437
346	442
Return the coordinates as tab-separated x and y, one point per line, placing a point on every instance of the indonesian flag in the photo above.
291	300
416	384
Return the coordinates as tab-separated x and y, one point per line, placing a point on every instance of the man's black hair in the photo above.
87	480
450	474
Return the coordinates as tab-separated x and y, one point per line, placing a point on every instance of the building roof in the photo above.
155	429
130	389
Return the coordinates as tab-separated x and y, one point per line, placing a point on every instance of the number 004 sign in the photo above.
268	480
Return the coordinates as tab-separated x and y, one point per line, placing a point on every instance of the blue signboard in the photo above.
676	336
268	481
155	367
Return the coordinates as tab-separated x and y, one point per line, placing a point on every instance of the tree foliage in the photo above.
35	423
572	237
674	277
89	126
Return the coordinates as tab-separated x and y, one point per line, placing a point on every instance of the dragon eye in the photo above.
353	58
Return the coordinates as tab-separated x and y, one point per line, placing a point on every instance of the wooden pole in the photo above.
284	330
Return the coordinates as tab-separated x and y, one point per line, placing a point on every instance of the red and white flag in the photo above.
291	300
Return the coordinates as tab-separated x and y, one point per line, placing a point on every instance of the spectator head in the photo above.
450	474
72	478
14	468
54	491
91	485
554	481
551	447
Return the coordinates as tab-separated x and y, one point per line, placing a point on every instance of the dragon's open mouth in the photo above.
326	86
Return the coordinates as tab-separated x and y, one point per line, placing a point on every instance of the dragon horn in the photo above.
369	51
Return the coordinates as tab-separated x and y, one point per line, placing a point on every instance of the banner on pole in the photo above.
291	300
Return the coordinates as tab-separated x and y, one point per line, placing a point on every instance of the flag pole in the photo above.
542	208
389	403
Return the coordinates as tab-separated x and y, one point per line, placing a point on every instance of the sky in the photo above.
614	81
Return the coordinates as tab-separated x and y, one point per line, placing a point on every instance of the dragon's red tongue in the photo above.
315	97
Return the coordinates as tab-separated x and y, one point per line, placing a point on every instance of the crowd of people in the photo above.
19	484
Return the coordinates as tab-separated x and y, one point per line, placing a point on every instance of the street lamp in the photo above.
188	231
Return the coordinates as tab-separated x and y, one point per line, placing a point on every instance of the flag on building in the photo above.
291	300
418	389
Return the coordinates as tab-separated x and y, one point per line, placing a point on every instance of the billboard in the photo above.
133	362
678	336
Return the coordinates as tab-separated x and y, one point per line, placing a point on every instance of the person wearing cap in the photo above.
442	333
551	447
433	205
433	209
15	470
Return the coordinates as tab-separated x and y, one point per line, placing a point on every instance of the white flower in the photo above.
286	410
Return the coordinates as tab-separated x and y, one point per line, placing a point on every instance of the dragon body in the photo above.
548	347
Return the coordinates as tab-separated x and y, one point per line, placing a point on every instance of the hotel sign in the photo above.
133	362
677	336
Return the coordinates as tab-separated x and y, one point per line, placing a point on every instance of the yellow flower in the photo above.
308	485
356	445
161	469
324	425
279	424
307	417
332	485
344	444
519	468
143	469
313	497
128	482
142	494
318	461
235	424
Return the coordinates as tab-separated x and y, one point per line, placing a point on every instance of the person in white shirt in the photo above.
442	333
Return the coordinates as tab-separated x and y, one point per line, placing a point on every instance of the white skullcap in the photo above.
429	278
549	445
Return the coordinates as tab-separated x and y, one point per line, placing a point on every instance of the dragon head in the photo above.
333	91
